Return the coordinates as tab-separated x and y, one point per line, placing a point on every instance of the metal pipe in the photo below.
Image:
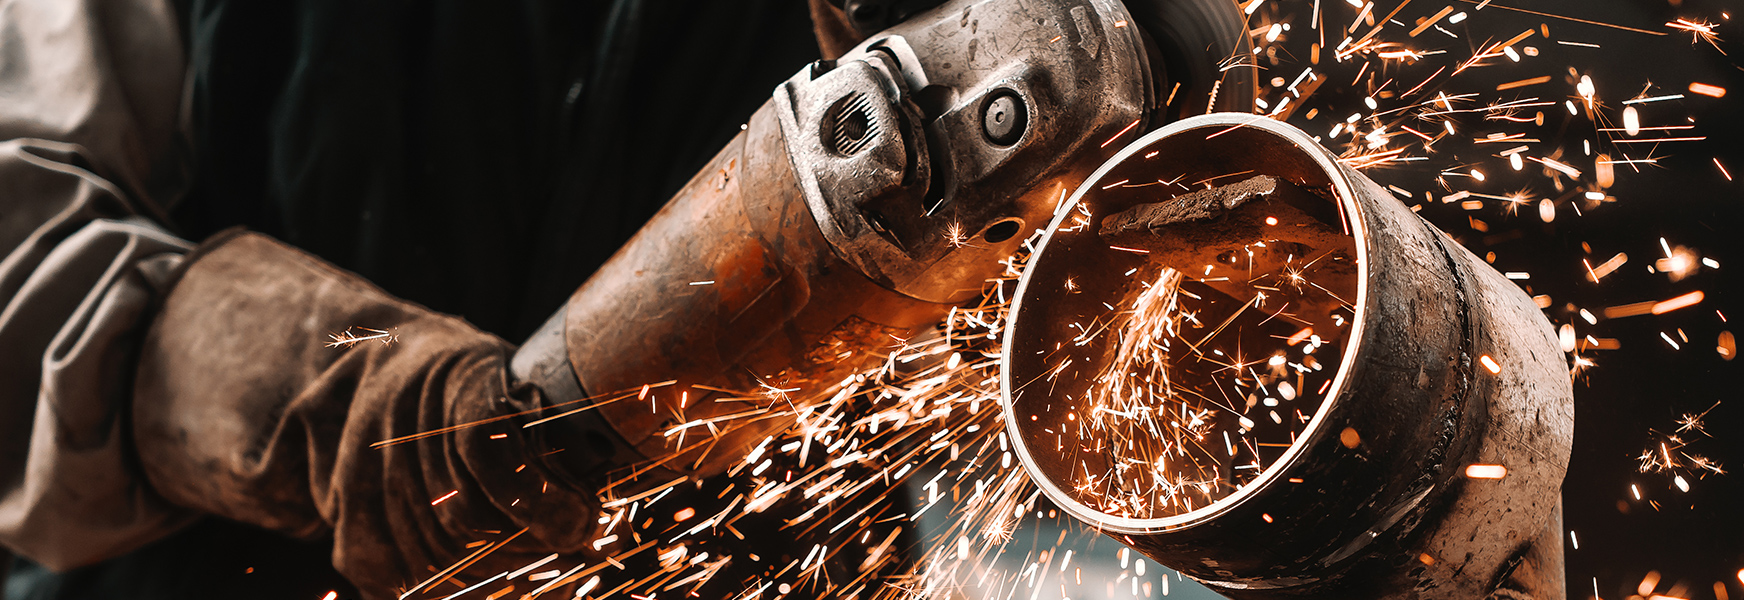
1445	364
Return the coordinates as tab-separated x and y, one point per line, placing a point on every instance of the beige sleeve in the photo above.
76	293
89	96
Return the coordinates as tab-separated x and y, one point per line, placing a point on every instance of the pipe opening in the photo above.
1182	324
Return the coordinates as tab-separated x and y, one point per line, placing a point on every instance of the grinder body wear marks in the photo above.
1252	364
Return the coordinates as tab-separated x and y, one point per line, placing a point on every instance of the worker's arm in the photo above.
88	150
77	290
243	408
143	381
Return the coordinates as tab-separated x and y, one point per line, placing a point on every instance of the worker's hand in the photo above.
259	398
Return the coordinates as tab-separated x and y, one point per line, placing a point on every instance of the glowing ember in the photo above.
1486	471
1490	364
348	339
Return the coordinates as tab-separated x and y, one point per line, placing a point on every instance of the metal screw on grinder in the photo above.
1004	119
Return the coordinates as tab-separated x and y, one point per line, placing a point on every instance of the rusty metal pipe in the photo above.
1371	500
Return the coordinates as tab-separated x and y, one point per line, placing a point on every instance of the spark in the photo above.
1684	301
1122	132
347	338
1712	91
1482	471
1523	83
1626	113
1699	32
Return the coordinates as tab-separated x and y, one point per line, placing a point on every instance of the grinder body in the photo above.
868	196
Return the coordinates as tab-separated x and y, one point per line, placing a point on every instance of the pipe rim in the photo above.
1346	196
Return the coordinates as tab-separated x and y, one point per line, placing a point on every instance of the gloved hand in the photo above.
241	410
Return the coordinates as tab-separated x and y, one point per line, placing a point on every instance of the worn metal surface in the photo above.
910	206
1394	516
730	286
